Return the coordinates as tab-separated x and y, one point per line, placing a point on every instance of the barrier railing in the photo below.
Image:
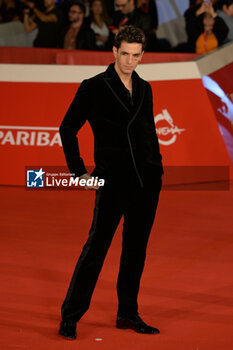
28	55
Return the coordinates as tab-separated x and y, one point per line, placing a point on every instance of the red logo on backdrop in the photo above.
29	136
167	131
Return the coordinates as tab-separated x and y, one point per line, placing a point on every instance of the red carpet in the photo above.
187	285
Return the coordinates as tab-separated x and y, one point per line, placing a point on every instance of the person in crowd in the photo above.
205	29
8	11
77	34
226	13
207	41
48	23
149	7
129	14
99	22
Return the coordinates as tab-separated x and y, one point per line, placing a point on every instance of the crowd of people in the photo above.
92	24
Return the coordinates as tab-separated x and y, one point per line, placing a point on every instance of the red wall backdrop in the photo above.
31	112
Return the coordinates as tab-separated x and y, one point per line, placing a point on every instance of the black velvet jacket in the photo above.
125	142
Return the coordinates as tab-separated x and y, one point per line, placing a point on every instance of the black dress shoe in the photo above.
68	329
135	323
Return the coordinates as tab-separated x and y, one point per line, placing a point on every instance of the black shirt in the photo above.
48	31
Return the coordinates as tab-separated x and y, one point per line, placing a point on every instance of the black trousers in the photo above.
138	206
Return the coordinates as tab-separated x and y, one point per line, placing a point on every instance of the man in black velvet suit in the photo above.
118	105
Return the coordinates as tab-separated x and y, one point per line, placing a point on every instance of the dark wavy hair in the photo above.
227	2
130	34
78	3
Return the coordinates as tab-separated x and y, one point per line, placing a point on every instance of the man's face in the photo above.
228	10
125	6
76	14
127	56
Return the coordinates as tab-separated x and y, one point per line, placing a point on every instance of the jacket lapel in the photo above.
139	92
116	86
114	83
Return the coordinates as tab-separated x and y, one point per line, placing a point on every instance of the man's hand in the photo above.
86	177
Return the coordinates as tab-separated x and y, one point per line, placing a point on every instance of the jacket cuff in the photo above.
80	169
